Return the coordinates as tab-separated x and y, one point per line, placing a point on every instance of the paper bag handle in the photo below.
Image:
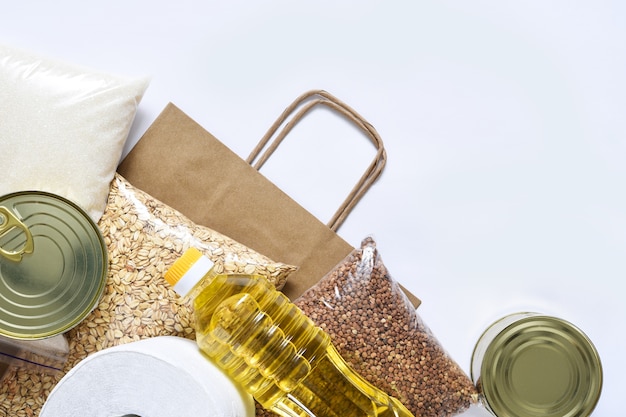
306	102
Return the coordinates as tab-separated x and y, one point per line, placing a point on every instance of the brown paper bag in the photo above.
180	163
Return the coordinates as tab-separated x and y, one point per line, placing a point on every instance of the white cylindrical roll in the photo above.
159	377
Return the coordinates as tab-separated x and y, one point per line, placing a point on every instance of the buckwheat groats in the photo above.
379	333
143	237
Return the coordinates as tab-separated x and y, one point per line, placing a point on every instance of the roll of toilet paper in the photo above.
159	377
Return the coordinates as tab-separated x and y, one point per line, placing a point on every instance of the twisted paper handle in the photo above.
305	103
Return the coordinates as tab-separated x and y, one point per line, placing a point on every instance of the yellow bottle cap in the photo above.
188	270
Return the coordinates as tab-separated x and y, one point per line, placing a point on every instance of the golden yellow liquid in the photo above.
268	345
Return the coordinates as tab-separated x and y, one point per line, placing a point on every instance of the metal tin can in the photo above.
533	365
53	265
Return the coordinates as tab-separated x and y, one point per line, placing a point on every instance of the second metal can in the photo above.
534	365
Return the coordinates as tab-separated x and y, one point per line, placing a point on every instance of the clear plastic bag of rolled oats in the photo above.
144	237
379	333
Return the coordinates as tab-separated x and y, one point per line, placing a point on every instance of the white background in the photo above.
503	122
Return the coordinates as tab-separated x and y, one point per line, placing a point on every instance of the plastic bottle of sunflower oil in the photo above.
269	346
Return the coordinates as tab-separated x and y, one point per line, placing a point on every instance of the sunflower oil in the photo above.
268	345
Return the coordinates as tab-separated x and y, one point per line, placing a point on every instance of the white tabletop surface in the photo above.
504	124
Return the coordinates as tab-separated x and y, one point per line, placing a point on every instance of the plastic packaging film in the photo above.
45	355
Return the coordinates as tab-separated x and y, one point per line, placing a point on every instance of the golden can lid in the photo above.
541	366
53	265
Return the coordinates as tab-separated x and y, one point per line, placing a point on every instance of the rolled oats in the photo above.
143	238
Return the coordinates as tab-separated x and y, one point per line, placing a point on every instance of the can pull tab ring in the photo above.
9	221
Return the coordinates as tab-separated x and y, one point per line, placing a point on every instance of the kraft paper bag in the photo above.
180	163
